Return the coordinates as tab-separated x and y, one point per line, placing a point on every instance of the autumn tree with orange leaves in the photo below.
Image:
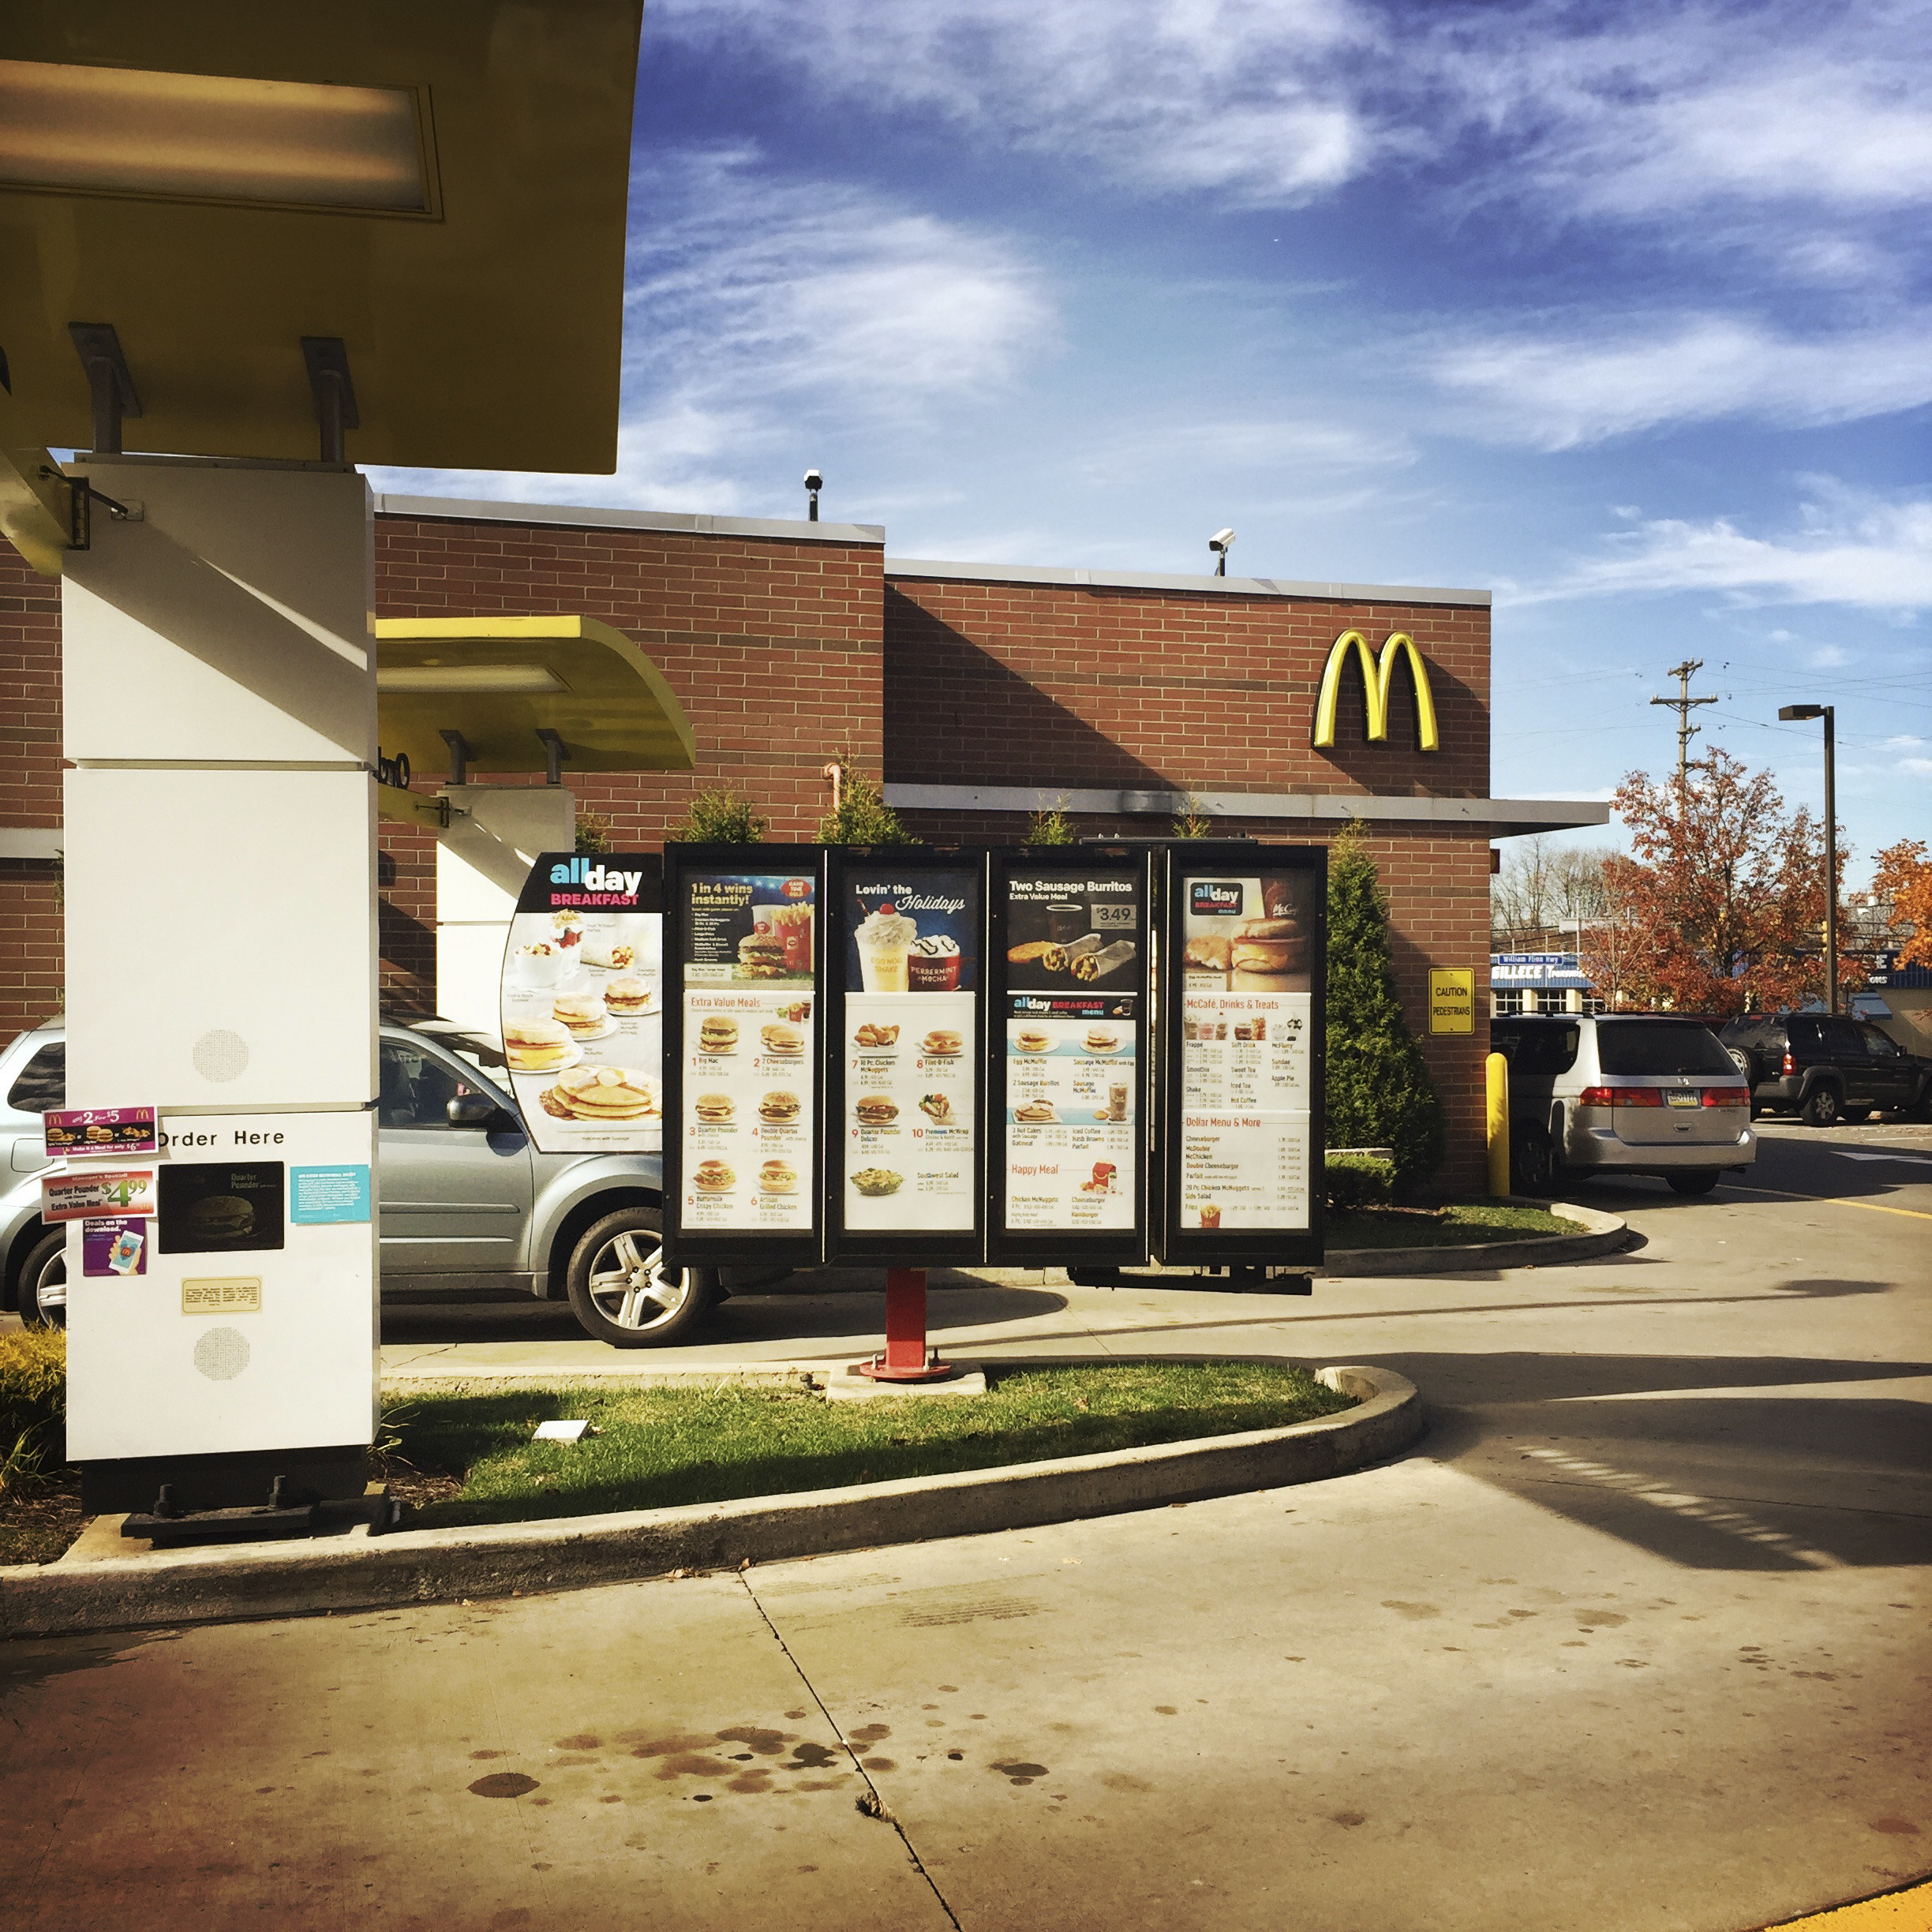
1720	907
1904	877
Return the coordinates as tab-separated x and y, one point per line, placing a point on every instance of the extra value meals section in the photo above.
1245	937
1071	947
905	1140
745	937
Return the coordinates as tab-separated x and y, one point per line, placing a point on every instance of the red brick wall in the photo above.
1056	686
29	792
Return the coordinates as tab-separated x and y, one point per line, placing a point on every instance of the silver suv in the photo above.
1631	1093
464	1196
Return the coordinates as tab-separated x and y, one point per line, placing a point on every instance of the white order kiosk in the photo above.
220	873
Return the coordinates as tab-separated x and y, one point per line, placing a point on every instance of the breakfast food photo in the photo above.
1029	954
1108	960
604	948
941	1044
1209	954
779	1107
1099	1041
782	1042
582	1013
1269	956
607	1094
714	1177
718	1036
537	1045
627	993
1029	1040
1035	1114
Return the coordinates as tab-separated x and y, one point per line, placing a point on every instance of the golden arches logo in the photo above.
1378	673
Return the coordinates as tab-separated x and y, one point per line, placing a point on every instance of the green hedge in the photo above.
1355	1181
33	1405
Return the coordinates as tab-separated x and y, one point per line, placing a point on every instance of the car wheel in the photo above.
1692	1181
1532	1162
622	1294
1741	1061
1823	1107
41	1296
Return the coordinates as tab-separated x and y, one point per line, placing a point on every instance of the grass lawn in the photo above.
664	1446
1460	1225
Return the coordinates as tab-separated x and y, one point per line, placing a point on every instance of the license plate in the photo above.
1681	1099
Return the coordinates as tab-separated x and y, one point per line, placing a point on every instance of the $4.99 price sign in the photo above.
76	1197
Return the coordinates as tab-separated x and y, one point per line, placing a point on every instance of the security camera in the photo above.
1222	540
814	480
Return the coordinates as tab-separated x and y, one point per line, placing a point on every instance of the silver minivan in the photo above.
464	1196
1623	1093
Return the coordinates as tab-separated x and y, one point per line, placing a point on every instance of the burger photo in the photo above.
779	1106
875	1110
712	1107
225	1218
627	993
718	1036
786	1042
761	956
534	1046
714	1177
941	1044
776	1177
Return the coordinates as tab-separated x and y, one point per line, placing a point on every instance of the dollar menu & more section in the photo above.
903	1109
583	1003
1246	938
743	1052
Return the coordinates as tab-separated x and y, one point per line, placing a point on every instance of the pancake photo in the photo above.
604	1093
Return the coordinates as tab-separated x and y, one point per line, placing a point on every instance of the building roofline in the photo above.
937	569
577	516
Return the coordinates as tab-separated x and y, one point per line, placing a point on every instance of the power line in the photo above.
1683	704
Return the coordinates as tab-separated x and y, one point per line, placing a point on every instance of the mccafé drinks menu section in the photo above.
1242	1087
748	1043
1073	1016
909	1048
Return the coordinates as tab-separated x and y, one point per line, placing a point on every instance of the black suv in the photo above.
1824	1067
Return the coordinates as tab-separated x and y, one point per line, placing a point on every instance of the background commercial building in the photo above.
982	693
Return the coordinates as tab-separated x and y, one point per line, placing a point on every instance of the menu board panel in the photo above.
1245	926
744	1083
908	929
1074	940
583	1004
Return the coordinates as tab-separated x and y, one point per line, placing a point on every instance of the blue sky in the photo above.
1623	311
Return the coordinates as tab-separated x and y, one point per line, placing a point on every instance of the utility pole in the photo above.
1683	704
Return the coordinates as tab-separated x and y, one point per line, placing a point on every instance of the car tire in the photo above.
1533	1162
1822	1107
1741	1061
1692	1181
40	1294
620	1291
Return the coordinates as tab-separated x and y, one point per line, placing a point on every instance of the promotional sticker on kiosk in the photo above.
583	1003
1071	1023
1246	940
906	1152
743	960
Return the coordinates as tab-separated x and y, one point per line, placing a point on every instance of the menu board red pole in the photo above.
1071	1029
743	968
1245	949
905	1014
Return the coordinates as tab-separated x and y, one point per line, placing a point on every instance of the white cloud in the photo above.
1850	548
1828	657
1556	391
760	313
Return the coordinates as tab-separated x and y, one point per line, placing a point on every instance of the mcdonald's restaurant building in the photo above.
981	692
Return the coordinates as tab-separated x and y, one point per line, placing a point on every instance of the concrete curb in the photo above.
1603	1234
355	1572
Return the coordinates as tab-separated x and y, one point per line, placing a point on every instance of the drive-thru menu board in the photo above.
744	1083
1072	939
906	928
583	1003
1244	925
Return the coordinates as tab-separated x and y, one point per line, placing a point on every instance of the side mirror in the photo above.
473	1109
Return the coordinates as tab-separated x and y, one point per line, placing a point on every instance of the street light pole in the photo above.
1829	713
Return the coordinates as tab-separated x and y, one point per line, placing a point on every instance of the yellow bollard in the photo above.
1496	1074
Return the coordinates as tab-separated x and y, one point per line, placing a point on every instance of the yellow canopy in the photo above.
440	184
500	680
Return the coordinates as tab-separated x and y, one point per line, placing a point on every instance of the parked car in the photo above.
1623	1094
1826	1067
462	1193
